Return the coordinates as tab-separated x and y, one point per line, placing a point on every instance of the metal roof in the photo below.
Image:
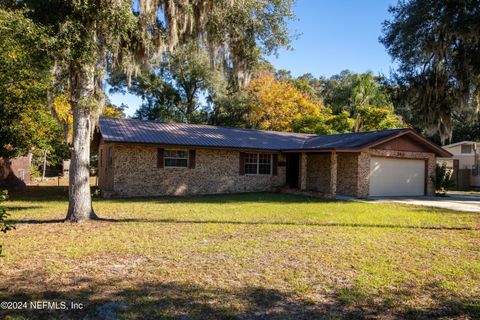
348	140
169	133
139	131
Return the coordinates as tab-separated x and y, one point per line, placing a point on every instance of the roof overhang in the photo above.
432	147
438	151
192	146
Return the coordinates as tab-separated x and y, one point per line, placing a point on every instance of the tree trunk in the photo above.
44	165
83	89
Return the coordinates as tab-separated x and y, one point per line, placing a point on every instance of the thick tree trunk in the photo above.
83	89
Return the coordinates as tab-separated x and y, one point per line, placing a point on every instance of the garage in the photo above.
397	177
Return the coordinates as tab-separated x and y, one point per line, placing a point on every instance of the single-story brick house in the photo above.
140	158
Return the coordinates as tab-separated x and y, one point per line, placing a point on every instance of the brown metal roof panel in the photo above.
348	140
131	130
139	131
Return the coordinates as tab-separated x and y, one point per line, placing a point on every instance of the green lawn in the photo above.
251	256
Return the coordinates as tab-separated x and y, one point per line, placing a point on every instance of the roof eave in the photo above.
158	144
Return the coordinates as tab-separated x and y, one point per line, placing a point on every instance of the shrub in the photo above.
443	178
4	225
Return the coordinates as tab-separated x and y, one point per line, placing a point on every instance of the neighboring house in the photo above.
140	158
15	173
464	163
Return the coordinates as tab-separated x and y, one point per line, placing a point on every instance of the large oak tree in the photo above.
437	47
93	37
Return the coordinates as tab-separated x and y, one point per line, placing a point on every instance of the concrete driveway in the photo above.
453	201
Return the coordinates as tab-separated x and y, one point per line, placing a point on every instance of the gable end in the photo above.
403	143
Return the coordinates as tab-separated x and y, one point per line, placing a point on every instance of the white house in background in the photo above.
464	162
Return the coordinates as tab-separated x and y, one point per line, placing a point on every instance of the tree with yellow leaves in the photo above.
278	104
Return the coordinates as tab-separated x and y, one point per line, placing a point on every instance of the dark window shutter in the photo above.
241	168
159	158
191	159
274	164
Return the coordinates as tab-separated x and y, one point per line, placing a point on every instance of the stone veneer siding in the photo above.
216	171
363	175
347	174
303	171
318	172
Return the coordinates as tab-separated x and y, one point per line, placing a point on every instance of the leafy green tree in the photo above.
336	91
26	123
93	37
466	128
232	110
360	102
23	83
366	89
340	123
370	118
311	124
435	44
172	90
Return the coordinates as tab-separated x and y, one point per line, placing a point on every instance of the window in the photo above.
176	158
251	163
466	148
258	163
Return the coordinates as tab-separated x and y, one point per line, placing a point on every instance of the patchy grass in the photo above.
472	191
249	256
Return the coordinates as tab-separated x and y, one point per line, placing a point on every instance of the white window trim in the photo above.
176	167
258	165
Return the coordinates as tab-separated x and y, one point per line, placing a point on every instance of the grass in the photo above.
471	191
250	256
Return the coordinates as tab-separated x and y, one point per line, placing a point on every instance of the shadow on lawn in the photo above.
187	301
53	193
272	223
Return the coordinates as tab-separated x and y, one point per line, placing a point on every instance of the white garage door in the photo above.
397	177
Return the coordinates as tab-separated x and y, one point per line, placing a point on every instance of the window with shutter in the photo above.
159	158
241	166
191	159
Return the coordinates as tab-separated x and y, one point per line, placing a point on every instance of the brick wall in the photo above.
347	173
318	172
135	173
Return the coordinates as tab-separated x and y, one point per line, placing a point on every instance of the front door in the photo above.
292	168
